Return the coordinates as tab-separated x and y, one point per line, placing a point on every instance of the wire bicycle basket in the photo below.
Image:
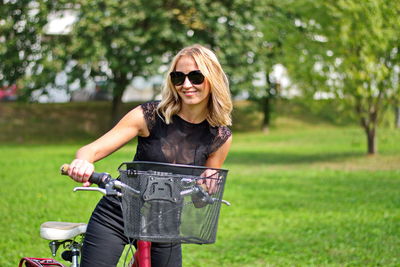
172	206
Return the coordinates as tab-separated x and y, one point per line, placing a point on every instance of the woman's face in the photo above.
191	94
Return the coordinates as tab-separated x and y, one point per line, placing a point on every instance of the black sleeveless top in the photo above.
179	142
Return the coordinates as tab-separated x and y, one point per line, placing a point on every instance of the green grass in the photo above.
302	195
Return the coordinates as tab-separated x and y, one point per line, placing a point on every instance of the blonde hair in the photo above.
220	103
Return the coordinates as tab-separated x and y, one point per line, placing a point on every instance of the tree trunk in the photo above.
115	109
266	104
397	117
371	141
369	122
121	82
266	108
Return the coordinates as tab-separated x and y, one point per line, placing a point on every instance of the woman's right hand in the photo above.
80	170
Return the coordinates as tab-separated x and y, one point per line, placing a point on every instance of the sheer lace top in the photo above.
179	142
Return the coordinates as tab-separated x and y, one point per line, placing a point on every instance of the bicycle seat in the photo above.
61	230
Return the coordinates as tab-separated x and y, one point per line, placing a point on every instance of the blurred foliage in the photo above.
116	41
21	31
346	49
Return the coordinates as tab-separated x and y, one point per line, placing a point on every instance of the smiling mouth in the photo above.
189	93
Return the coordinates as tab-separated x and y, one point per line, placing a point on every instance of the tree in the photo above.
21	28
353	54
116	41
274	34
276	28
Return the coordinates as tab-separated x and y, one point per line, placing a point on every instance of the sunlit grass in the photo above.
301	196
309	196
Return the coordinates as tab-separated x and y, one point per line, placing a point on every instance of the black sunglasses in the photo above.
195	77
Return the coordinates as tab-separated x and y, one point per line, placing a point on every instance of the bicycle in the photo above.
160	203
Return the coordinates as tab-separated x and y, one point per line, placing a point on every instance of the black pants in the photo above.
105	240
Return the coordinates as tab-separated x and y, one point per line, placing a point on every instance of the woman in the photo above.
188	126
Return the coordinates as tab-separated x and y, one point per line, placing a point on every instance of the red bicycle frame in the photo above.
142	257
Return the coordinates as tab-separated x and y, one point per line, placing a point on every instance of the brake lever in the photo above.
127	188
104	191
225	202
101	190
201	197
211	200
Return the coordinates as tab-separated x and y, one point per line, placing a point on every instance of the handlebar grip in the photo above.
64	169
96	178
99	178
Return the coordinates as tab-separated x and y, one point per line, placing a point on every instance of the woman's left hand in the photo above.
210	180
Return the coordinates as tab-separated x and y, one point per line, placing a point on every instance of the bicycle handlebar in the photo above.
106	183
108	187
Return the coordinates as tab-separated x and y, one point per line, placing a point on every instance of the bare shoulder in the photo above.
135	119
136	113
229	140
226	146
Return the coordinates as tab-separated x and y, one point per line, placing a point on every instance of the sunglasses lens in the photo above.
196	77
177	78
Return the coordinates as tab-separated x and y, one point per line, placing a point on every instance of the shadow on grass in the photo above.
274	158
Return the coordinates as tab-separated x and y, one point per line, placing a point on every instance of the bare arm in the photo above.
215	160
130	126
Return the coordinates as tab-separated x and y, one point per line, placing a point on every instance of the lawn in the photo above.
302	195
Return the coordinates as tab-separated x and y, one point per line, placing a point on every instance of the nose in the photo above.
187	83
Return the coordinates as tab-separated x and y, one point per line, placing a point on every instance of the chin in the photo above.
194	101
191	101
